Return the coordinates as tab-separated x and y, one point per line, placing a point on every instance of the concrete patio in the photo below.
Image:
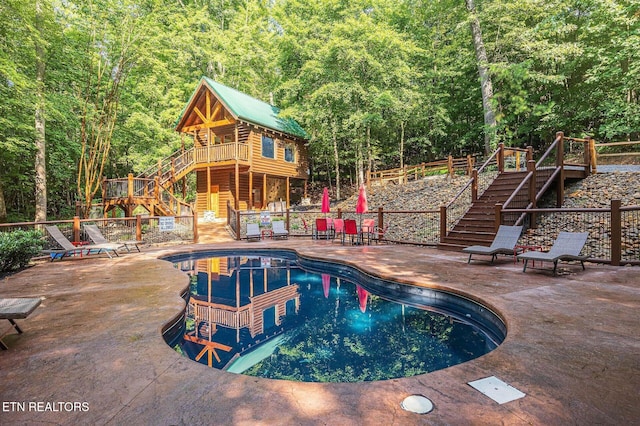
572	347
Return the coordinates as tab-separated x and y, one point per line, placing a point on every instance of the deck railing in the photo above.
405	174
141	228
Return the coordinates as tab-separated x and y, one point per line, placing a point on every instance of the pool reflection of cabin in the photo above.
238	299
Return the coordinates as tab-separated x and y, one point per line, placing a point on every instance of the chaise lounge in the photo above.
96	236
504	242
567	246
253	231
68	249
278	229
16	308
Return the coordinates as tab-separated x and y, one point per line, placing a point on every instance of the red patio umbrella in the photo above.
326	208
362	298
326	284
361	205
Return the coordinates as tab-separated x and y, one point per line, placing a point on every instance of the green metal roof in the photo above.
254	111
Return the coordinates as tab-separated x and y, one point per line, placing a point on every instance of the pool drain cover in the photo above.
497	390
417	404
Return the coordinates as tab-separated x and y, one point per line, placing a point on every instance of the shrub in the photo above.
17	248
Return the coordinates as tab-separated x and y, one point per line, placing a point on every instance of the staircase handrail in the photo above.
489	161
172	198
539	193
151	171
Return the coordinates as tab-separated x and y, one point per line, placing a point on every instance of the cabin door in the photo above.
214	199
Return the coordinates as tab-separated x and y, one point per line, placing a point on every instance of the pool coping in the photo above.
571	347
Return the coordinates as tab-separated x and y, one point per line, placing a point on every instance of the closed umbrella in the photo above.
361	205
325	201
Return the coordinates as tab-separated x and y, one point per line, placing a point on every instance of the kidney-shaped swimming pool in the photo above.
275	314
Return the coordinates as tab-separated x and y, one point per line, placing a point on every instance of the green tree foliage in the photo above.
375	83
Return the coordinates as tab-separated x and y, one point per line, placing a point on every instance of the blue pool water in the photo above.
275	315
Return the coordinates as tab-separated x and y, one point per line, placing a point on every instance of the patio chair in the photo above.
350	228
278	229
253	231
567	246
96	236
338	228
378	234
503	243
368	229
16	308
68	249
321	228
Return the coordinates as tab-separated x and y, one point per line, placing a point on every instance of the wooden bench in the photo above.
16	308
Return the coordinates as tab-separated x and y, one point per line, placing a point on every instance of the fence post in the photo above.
287	218
474	185
139	227
450	166
498	220
616	233
560	163
76	229
443	222
469	164
238	225
531	167
380	222
594	156
339	213
196	236
587	155
500	158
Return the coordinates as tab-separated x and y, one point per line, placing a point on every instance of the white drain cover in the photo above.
497	390
417	404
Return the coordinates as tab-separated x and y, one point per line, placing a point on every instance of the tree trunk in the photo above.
336	158
3	206
369	156
402	144
485	79
40	160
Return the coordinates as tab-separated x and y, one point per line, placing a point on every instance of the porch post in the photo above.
264	191
250	190
288	189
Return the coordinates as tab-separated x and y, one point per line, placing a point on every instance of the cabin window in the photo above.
228	139
268	147
289	154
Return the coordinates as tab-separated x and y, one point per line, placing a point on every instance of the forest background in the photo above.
92	88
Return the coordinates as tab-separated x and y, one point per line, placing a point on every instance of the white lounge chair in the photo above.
253	231
278	229
567	246
503	243
96	236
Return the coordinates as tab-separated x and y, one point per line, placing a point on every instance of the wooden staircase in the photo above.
477	226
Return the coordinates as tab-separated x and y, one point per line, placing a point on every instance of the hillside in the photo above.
596	191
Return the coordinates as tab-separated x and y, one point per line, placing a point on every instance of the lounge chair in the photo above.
68	249
96	236
18	308
567	246
253	231
278	229
503	243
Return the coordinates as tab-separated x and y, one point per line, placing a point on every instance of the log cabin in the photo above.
245	154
